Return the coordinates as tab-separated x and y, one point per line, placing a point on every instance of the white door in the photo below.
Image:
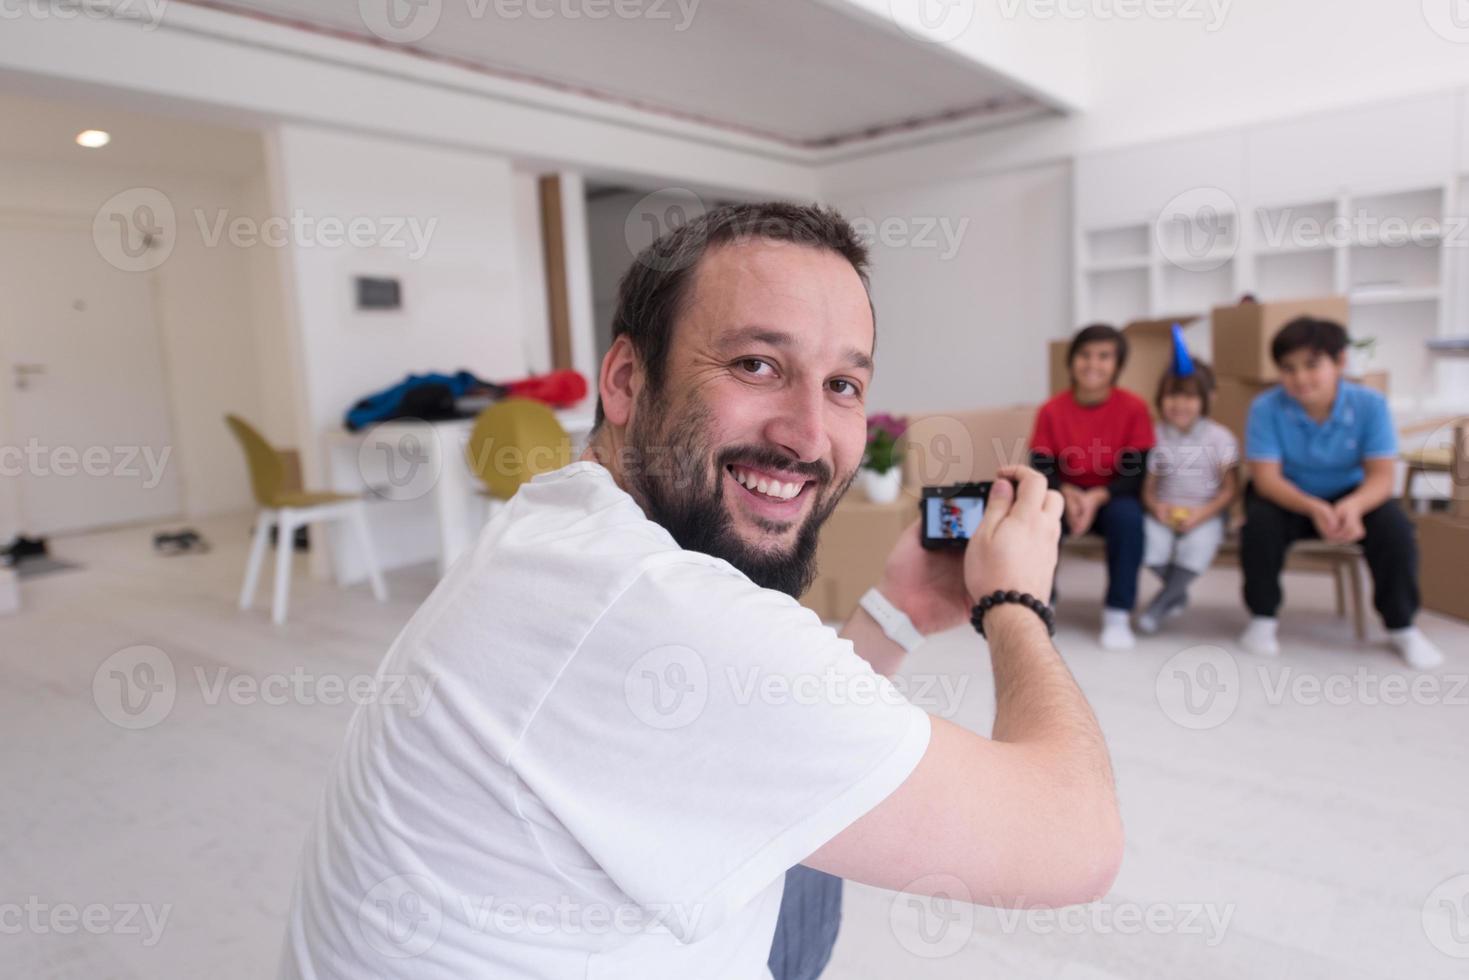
87	432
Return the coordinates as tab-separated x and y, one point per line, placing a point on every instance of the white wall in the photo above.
963	322
205	301
461	297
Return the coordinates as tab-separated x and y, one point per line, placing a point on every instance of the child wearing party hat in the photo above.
1192	479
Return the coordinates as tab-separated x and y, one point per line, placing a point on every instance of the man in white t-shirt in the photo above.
635	730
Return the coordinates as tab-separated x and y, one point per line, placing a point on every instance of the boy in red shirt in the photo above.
1092	441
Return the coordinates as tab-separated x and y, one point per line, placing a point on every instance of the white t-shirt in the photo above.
625	747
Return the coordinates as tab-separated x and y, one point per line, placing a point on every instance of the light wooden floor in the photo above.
1268	836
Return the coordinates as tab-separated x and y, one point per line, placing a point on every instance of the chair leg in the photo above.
285	547
358	519
258	543
1338	576
1359	608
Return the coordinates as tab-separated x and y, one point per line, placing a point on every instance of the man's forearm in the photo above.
1037	701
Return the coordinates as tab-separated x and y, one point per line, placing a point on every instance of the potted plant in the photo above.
882	464
1359	356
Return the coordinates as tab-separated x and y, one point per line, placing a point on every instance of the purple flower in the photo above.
891	425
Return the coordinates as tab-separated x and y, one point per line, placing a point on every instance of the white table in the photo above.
416	473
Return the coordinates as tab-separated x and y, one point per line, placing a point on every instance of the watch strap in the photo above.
894	622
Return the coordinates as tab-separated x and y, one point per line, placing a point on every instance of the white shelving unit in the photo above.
1394	251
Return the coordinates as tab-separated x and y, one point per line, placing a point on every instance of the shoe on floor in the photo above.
1259	637
1116	630
1416	649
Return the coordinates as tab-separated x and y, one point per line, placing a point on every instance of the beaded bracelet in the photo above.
1000	596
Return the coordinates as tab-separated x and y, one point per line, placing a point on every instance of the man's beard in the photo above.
680	485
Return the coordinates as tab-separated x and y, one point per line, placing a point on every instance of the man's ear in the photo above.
620	381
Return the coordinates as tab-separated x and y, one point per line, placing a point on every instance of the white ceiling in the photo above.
799	71
44	131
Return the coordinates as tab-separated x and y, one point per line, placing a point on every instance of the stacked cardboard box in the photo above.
1241	355
1443	539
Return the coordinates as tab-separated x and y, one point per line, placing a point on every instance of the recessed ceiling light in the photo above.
93	139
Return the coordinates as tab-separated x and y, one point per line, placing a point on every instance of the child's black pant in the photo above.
1391	549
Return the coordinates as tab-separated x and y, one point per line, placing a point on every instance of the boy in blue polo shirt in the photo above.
1321	453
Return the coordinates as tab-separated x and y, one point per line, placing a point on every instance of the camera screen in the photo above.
955	518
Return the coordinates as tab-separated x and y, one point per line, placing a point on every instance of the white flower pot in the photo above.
882	488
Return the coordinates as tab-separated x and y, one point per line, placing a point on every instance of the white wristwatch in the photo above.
894	622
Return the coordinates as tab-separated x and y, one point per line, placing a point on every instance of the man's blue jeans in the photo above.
810	915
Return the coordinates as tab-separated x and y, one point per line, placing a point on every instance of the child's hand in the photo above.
1191	519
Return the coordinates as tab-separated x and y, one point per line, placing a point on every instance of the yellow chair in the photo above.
288	509
512	441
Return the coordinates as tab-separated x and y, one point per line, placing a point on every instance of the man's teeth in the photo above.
765	485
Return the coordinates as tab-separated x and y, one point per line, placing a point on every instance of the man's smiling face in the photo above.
761	423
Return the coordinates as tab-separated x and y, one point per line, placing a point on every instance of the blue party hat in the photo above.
1183	364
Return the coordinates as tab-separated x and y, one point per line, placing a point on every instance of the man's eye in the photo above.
851	388
753	364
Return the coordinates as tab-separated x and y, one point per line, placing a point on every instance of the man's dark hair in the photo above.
1307	333
653	290
1098	333
1200	384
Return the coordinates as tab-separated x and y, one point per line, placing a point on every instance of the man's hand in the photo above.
927	585
1349	520
1015	546
1162	513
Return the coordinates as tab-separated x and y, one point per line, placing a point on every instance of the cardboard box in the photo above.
1459	472
1060	371
1149	354
1443	549
1231	404
855	543
959	447
1242	333
943	447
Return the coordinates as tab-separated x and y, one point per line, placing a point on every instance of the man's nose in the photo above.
799	425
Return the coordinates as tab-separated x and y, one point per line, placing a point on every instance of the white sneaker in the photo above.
1116	630
1259	637
1415	648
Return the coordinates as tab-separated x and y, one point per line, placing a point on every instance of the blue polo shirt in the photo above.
1323	459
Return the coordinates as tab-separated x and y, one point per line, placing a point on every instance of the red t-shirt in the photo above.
1085	439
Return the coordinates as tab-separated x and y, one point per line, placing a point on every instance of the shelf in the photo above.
1375	297
1266	251
1123	264
1449	346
